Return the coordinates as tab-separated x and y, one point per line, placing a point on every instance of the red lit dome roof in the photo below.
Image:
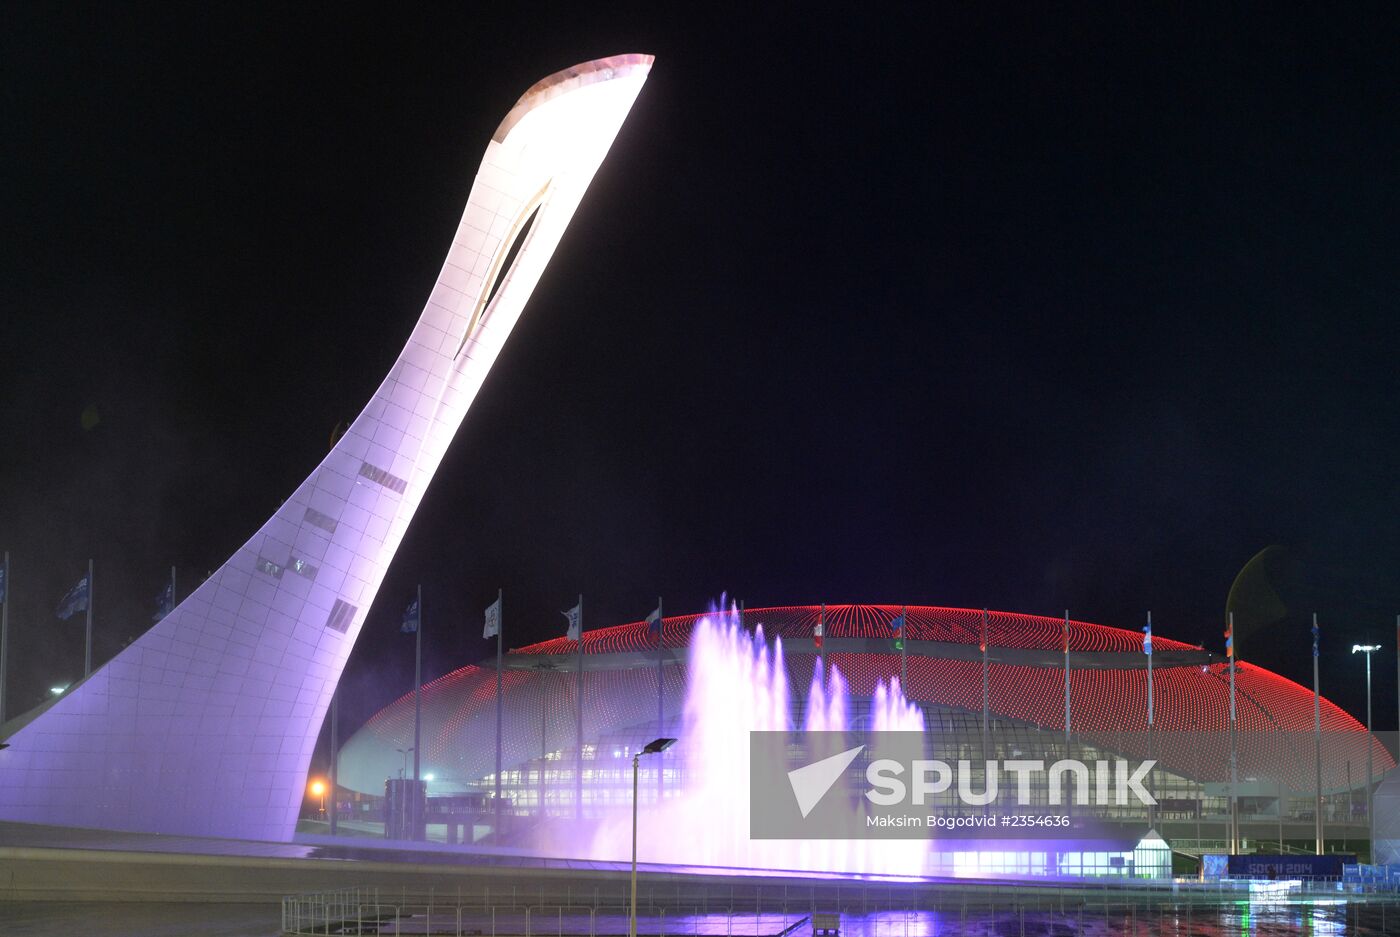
926	623
1108	688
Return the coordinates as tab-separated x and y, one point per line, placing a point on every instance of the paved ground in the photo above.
138	919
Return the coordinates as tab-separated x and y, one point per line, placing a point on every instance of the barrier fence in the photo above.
869	910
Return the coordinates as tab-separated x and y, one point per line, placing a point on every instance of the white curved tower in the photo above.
206	723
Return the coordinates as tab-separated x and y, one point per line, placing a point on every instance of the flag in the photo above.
575	617
654	620
817	634
3	584
1230	641
1147	639
75	601
493	620
165	602
1316	634
1066	634
982	646
411	618
897	626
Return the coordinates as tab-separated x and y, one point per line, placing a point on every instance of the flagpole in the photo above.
4	632
660	694
87	647
1151	814
335	753
1149	679
1067	799
500	627
903	650
1067	682
1234	758
1067	709
544	737
986	728
1317	741
417	712
578	693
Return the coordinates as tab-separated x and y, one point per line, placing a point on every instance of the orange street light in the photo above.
318	789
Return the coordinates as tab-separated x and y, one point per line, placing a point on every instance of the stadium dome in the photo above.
1025	667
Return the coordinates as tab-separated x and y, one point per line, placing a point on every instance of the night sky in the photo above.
1032	311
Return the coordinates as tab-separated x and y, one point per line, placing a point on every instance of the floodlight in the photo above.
657	746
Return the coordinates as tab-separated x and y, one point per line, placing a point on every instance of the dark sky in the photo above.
1026	310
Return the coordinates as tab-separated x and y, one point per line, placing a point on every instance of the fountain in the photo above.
738	683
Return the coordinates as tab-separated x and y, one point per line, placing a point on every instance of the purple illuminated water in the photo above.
737	683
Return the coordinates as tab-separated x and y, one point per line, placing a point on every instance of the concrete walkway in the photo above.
138	919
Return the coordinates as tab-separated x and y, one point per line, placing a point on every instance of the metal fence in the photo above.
365	911
875	910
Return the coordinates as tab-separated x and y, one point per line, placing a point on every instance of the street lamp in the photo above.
654	747
318	789
1368	650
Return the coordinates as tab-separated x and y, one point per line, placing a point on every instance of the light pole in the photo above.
1368	650
654	747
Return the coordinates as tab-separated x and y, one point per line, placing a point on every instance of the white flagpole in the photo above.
1151	813
660	695
986	701
1067	709
5	635
335	752
1068	800
578	693
544	736
1317	741
500	627
1149	683
1234	758
417	713
87	647
904	650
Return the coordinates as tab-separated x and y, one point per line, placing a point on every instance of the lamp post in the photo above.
1368	650
654	747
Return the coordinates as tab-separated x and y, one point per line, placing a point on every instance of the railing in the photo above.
898	911
361	911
